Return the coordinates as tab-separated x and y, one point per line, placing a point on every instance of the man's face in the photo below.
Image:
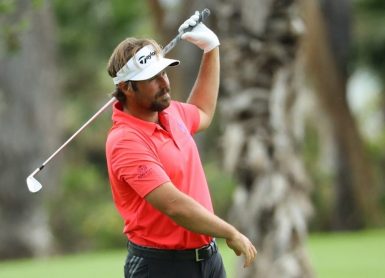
153	94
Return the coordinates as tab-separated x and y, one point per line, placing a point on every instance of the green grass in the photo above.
339	255
106	264
360	254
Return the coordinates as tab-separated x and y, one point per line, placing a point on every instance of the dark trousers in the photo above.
140	267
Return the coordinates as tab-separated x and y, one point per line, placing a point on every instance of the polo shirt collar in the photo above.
120	117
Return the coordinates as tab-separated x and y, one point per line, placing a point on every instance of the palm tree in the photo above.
259	95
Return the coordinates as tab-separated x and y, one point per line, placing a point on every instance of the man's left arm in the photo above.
204	93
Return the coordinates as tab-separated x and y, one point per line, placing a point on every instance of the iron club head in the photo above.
32	183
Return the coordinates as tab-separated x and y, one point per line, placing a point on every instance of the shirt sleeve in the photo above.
190	116
135	163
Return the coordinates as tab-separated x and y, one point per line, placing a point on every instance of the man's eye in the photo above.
161	74
152	78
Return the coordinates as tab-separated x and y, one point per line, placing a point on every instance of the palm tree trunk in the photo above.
259	44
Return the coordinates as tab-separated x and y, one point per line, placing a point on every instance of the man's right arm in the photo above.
191	215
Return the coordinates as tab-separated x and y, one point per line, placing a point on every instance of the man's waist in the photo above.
198	254
176	238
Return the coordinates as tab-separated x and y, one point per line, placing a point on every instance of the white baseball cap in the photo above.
145	64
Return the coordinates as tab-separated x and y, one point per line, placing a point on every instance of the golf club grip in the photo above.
202	16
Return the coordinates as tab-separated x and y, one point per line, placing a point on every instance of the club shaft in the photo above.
105	106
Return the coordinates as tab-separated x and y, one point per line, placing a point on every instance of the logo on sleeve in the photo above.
143	171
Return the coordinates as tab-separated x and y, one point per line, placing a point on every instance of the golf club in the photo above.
33	184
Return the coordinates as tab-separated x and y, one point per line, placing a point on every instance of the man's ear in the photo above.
124	87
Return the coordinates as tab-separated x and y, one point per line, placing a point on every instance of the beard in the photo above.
162	101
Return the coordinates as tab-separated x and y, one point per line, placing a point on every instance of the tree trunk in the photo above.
259	44
28	93
356	203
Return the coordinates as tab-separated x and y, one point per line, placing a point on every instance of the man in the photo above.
156	176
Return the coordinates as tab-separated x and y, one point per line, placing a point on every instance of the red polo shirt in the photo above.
141	156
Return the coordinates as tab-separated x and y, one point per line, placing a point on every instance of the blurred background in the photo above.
295	157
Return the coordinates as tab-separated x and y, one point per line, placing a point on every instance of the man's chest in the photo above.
175	148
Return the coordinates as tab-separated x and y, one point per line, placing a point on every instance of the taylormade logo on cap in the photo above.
143	59
145	64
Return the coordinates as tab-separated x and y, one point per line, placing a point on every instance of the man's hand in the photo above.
201	36
241	245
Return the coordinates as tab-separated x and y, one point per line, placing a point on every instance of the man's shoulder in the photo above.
124	133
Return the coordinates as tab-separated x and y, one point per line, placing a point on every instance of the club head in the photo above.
33	184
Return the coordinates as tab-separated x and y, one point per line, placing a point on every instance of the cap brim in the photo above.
155	68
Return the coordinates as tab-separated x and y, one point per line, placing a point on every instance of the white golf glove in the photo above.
201	36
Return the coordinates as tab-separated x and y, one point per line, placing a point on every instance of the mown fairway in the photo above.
353	255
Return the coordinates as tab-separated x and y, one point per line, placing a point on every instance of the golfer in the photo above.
157	180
